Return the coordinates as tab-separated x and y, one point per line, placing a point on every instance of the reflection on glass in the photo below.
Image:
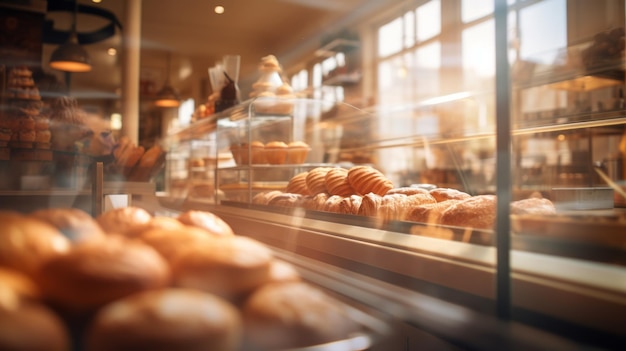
478	53
390	38
543	30
428	61
428	20
475	9
409	24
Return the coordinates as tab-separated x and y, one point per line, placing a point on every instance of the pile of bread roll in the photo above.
134	162
365	191
128	280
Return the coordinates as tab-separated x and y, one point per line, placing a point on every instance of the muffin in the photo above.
257	153
276	152
297	152
235	149
244	153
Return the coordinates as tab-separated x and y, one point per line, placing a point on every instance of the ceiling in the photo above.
197	37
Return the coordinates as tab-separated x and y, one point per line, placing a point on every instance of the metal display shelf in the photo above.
90	198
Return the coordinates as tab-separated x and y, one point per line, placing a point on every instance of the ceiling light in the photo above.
96	1
167	96
71	57
219	9
112	51
116	121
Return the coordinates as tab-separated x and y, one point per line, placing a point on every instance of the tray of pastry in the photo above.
131	280
606	228
256	186
597	236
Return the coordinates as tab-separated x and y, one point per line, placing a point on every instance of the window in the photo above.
543	28
428	20
300	81
390	38
474	9
409	52
419	59
478	52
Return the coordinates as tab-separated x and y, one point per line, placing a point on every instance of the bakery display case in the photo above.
539	242
269	148
475	202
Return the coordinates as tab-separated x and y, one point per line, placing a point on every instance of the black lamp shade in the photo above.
167	97
70	57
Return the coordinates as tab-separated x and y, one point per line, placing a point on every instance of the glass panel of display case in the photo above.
568	82
568	123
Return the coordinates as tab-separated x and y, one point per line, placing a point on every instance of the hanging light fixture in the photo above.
167	96
71	57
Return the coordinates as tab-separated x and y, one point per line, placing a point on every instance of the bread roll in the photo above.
264	197
391	207
444	194
151	160
418	200
350	204
366	179
130	156
370	204
125	220
230	267
129	161
122	145
333	204
77	225
18	284
166	320
30	326
286	200
475	212
160	222
170	242
306	202
297	184
294	314
533	206
407	190
337	182
26	243
430	212
281	271
316	180
319	201
99	272
207	221
406	203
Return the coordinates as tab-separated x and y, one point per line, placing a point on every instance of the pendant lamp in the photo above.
71	57
167	96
